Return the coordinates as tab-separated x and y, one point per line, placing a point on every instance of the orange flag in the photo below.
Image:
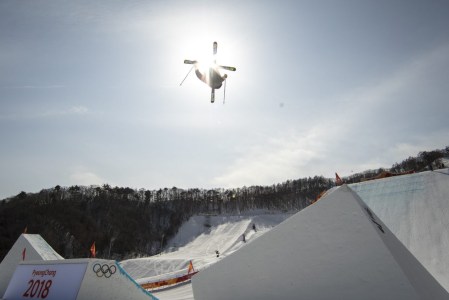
191	269
92	250
338	180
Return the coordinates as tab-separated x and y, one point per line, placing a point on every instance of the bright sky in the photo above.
89	90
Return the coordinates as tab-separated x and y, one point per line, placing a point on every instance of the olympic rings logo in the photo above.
104	270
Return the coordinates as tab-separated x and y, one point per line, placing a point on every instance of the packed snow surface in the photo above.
336	248
416	209
198	240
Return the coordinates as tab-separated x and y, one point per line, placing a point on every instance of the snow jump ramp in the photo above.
27	247
334	249
73	279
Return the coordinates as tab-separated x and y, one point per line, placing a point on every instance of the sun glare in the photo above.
205	62
198	46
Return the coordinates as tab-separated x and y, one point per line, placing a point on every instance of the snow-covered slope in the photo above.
197	241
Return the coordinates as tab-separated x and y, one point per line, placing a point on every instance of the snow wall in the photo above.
80	279
27	247
416	209
335	249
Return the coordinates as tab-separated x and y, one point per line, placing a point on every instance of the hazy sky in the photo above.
89	90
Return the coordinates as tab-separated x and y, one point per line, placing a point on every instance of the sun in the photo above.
199	49
203	54
206	62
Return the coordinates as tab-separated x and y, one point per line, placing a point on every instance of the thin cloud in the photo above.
86	177
273	161
74	110
40	87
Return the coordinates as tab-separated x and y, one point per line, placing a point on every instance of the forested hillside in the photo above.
126	222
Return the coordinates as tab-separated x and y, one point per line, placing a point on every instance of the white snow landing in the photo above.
335	249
